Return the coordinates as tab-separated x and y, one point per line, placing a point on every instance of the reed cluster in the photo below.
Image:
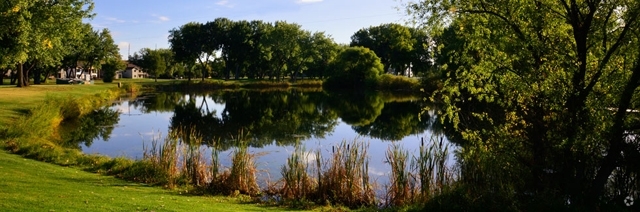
427	176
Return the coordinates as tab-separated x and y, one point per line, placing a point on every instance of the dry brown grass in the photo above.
345	177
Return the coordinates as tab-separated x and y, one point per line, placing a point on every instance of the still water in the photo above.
274	122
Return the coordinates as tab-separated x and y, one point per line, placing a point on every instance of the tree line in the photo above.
39	38
46	37
228	49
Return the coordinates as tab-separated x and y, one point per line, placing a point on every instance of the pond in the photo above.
274	122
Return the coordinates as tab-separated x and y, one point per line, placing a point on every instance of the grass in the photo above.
15	102
344	178
391	82
29	185
400	191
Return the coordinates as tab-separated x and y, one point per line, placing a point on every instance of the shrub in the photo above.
391	82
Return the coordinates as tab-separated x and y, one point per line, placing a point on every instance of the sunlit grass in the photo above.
29	185
16	101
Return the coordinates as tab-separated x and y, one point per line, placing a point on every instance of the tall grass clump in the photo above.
193	168
159	164
298	185
308	83
344	179
431	170
131	87
243	172
217	183
401	190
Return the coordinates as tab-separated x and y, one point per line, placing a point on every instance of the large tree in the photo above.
33	31
393	43
355	67
187	43
540	92
151	61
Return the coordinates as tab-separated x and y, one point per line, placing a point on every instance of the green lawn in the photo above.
29	185
14	101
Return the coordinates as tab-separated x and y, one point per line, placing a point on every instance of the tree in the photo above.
550	83
99	47
323	52
35	30
187	45
283	46
260	54
355	67
110	67
393	43
152	61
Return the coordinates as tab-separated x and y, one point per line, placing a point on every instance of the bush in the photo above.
355	67
392	82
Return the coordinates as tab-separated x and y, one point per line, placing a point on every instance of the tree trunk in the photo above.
237	74
20	76
37	76
13	77
616	137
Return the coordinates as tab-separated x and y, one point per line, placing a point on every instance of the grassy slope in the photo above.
28	185
14	101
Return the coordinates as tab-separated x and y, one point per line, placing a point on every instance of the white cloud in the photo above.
123	45
307	1
224	3
115	20
161	18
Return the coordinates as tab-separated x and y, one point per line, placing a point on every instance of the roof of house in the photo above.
131	66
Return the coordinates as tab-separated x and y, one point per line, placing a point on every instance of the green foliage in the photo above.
253	49
390	82
36	30
539	92
397	46
154	62
110	67
355	67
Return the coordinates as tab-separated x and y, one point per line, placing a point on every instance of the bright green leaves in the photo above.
393	43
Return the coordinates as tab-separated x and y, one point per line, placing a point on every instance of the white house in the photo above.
134	72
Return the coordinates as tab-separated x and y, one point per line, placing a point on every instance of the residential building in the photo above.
134	72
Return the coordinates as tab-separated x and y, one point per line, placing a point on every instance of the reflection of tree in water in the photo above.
357	109
157	102
286	117
97	124
396	121
264	118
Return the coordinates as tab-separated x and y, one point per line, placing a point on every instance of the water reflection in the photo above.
286	117
83	131
271	122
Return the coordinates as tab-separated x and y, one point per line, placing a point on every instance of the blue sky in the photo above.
146	23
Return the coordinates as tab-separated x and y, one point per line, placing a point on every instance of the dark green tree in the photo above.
355	67
393	43
540	91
